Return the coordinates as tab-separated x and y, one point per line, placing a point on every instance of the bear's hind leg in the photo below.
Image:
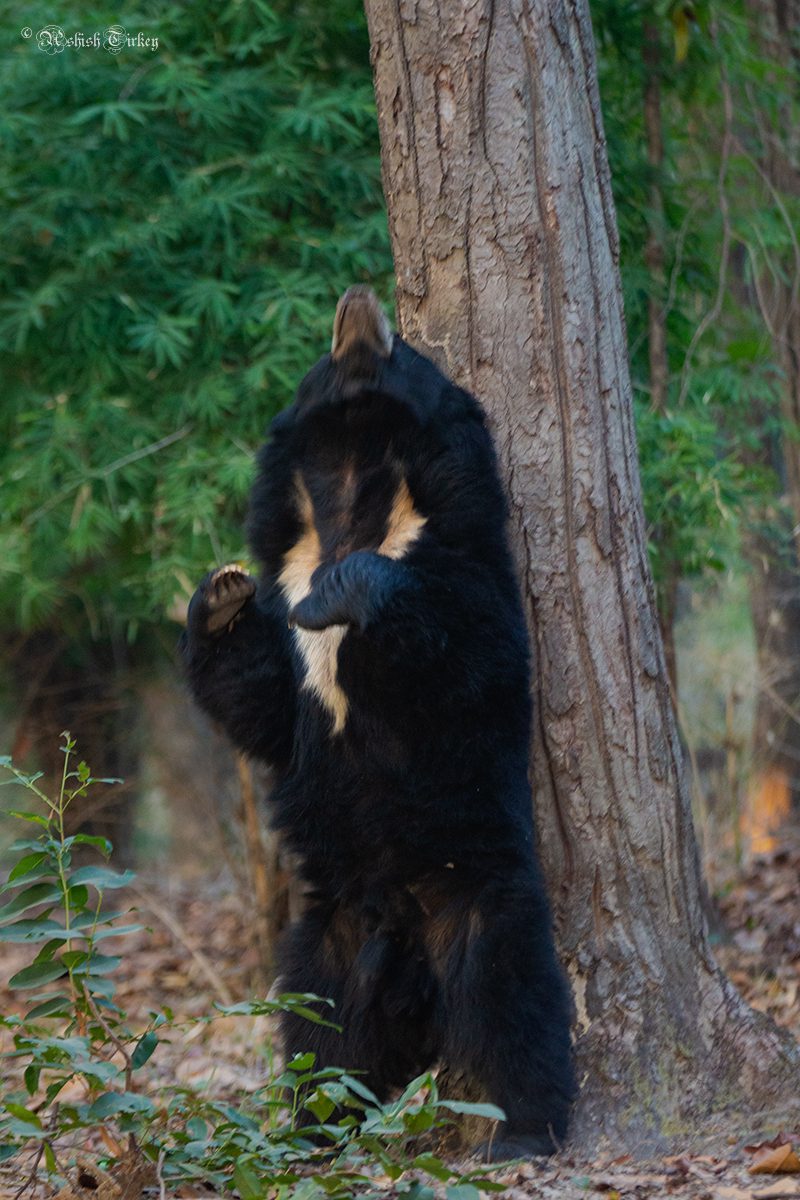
507	1012
382	997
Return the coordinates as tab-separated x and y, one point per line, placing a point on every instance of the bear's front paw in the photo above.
219	600
350	592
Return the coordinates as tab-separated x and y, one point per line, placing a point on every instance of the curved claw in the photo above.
220	598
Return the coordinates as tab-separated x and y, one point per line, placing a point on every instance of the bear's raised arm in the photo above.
238	663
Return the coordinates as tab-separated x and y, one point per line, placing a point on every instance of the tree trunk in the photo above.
774	785
505	245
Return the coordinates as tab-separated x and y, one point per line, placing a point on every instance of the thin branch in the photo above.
104	472
787	220
113	1037
30	1179
716	308
162	1187
680	243
761	300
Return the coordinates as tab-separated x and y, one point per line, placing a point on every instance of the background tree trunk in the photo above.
775	143
769	546
774	785
776	23
505	246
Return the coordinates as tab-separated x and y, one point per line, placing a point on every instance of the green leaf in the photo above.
490	1111
115	931
74	958
197	1129
44	972
433	1166
34	818
410	1091
419	1120
37	930
23	1114
101	877
248	1183
77	897
97	986
320	1105
144	1048
87	920
100	964
301	1062
58	1005
419	1191
360	1089
111	1103
25	865
49	950
31	1077
25	844
37	893
86	839
462	1191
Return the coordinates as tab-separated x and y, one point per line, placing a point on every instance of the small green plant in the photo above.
74	1033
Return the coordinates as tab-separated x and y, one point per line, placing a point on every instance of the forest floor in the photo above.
198	949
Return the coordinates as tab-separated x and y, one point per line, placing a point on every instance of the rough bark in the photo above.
505	245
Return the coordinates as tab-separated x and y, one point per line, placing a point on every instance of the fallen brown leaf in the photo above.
781	1160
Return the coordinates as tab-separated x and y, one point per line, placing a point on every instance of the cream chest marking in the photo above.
320	648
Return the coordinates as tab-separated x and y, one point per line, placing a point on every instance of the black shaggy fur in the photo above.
429	925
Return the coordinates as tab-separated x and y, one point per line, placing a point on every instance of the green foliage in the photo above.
74	1032
179	224
722	230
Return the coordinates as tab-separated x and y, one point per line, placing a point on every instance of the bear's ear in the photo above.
362	340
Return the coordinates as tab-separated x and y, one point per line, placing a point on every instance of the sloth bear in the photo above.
380	666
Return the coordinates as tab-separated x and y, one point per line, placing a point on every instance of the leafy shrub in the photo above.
73	1030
